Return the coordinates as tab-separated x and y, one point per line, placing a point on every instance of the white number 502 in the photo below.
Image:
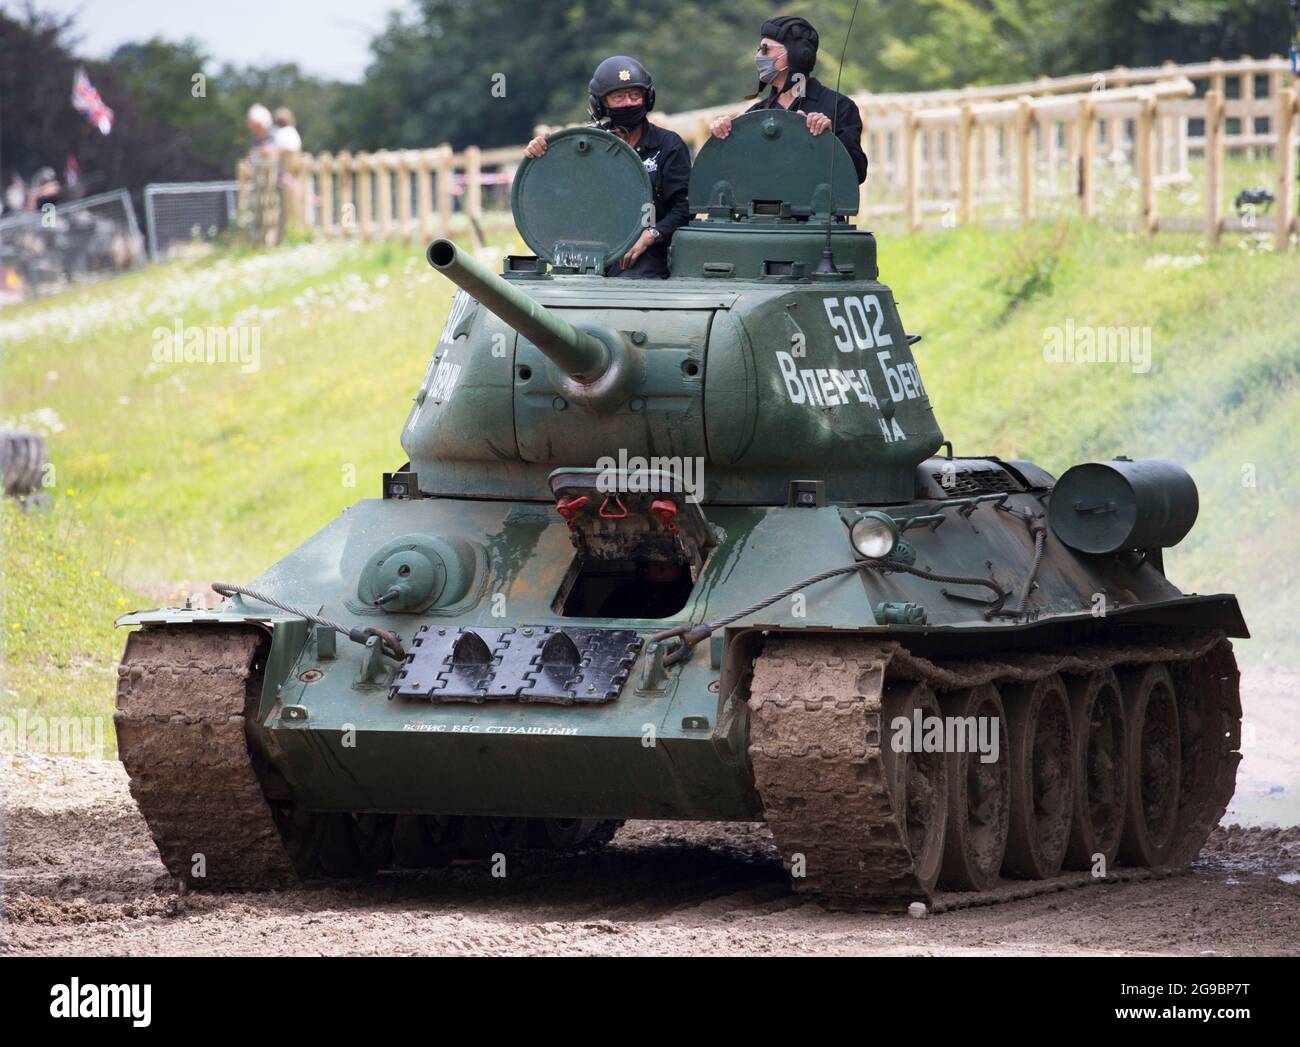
861	326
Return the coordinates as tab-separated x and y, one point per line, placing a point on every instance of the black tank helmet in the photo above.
613	74
799	38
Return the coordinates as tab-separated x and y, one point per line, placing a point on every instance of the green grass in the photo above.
1221	396
167	477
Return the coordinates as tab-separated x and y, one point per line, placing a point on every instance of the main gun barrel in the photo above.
582	356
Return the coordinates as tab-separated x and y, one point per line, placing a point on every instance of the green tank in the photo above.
696	549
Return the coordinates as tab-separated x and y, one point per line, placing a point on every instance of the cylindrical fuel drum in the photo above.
1107	507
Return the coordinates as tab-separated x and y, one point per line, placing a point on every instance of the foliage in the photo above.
1028	267
167	127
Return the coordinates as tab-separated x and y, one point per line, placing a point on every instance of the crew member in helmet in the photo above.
786	56
621	93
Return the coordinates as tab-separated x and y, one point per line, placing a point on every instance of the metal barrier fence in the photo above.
180	214
69	242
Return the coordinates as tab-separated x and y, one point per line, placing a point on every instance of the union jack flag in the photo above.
86	101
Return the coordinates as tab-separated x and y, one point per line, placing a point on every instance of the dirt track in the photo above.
82	876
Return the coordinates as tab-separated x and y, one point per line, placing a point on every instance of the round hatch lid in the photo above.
771	165
582	205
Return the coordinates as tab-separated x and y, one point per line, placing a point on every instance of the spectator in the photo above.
286	136
259	126
16	194
44	189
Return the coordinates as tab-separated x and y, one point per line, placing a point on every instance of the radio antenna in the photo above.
827	267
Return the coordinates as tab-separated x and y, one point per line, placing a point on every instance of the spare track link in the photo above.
816	744
182	700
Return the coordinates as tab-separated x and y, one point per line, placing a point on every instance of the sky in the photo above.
328	38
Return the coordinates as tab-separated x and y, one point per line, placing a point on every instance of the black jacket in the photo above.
668	163
818	98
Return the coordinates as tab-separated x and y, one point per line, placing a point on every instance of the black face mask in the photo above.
627	116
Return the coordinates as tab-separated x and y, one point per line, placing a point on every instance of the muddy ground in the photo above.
81	876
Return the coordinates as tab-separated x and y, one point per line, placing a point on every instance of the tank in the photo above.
696	549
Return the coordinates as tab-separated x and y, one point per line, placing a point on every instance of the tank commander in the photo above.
620	94
787	53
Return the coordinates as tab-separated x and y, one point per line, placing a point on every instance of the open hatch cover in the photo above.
583	204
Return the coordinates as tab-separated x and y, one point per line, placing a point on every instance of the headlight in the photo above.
874	535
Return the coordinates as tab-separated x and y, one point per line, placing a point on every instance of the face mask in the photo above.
627	116
766	68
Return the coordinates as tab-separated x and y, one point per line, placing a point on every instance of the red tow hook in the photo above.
666	510
611	515
568	508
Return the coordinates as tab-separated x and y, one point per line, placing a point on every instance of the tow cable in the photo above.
690	635
392	646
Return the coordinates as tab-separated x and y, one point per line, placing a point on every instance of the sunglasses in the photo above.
769	49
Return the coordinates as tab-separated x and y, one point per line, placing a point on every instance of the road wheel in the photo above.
1154	765
1042	778
1100	769
918	780
979	795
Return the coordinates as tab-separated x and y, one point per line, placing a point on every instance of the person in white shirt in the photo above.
286	136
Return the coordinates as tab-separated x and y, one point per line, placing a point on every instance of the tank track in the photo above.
184	701
818	751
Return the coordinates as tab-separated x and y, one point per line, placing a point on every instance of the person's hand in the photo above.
721	127
817	123
643	242
536	148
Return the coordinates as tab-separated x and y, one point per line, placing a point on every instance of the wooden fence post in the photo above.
1286	167
404	165
307	168
982	168
1217	81
424	192
1274	89
1247	95
1025	157
1087	155
1213	165
347	195
245	197
1144	146
446	172
325	208
365	208
382	165
912	170
474	182
966	165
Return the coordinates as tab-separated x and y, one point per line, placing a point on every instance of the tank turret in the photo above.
747	359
